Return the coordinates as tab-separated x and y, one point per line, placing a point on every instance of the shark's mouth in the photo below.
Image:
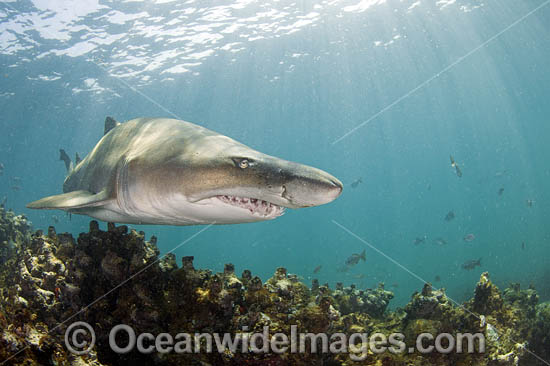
255	206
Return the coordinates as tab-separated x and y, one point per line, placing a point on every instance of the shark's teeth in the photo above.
254	205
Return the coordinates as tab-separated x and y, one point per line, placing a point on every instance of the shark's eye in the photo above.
243	164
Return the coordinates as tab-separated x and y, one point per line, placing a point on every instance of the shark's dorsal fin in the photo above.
110	123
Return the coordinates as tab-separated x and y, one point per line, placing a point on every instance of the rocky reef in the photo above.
48	281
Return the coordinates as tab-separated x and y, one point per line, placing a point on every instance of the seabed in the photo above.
104	278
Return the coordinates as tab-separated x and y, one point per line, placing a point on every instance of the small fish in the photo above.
55	219
395	285
440	241
359	276
458	171
317	269
342	269
253	245
468	238
471	264
4	200
356	183
522	245
16	188
529	203
16	179
500	173
500	191
455	165
420	240
450	216
437	278
354	258
1	169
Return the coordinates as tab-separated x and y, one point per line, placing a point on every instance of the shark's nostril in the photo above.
337	183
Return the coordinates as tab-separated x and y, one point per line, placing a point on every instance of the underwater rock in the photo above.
539	338
287	287
487	298
246	276
168	262
371	301
114	268
376	301
526	300
255	284
428	304
507	320
36	291
14	230
314	286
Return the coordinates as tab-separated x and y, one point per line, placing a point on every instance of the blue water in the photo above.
416	81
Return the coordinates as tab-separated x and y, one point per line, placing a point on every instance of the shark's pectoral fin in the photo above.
72	200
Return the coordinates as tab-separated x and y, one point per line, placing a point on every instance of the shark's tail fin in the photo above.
68	163
363	255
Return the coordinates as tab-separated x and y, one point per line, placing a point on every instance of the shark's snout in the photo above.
336	189
308	187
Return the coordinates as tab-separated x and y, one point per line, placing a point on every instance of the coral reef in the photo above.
106	278
14	230
371	301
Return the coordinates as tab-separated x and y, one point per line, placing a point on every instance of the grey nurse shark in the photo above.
171	172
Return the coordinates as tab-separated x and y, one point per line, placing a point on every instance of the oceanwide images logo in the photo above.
80	338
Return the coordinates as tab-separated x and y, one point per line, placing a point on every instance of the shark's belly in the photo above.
109	213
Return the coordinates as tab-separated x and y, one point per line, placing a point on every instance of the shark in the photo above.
161	171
